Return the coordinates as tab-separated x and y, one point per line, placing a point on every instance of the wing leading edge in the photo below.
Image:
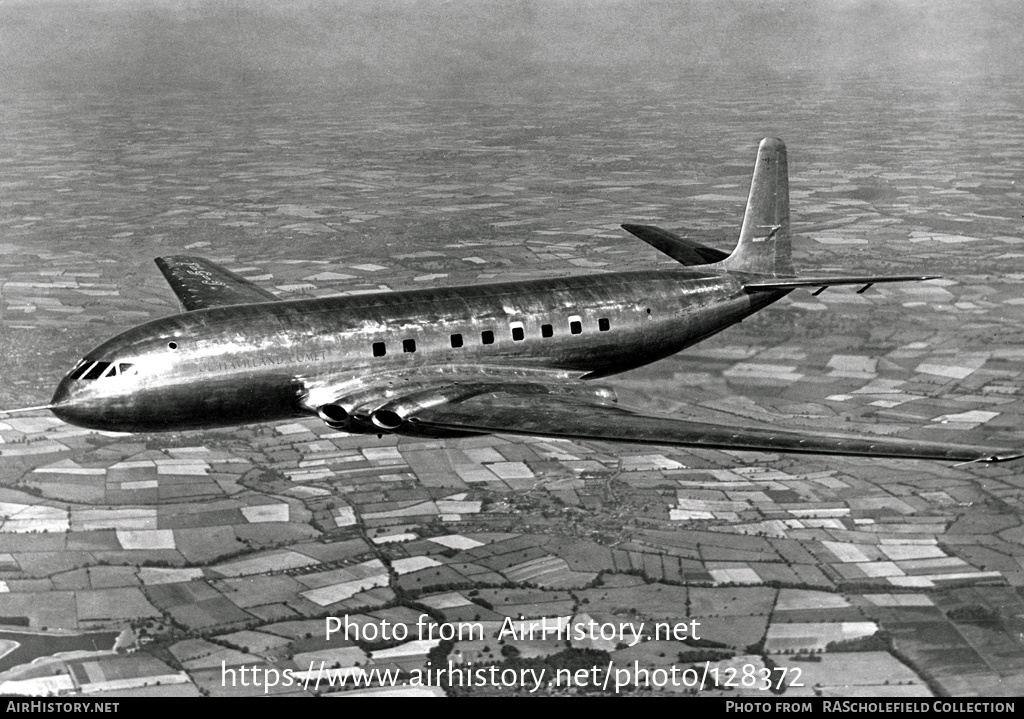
578	418
200	284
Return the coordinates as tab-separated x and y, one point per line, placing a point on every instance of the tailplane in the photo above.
765	246
764	250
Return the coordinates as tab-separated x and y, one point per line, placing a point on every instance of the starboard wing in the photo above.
200	284
549	415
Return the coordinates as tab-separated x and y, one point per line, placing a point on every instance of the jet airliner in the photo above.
513	357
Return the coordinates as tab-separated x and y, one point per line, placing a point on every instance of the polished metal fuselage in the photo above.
269	361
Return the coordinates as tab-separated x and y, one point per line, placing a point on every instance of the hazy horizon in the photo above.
253	46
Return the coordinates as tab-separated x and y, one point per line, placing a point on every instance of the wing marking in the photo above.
200	284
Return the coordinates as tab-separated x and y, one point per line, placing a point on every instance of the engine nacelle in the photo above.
394	414
337	415
371	412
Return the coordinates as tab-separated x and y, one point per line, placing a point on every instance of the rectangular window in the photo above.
379	349
547	331
487	337
575	327
518	333
603	324
456	340
408	345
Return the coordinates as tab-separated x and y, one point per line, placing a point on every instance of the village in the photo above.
153	564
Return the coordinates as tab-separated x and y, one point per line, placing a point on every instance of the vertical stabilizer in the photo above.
765	246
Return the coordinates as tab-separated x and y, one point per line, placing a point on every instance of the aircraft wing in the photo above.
535	413
200	284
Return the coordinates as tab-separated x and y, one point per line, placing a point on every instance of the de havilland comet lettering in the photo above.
512	357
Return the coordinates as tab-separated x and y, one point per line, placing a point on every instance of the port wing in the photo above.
200	284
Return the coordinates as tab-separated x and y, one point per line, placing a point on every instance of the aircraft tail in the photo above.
764	246
764	250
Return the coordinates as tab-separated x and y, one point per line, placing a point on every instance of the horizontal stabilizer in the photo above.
789	283
682	250
200	284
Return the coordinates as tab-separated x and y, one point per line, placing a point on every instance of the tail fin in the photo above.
765	245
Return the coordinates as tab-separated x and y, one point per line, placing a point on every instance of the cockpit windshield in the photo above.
96	370
86	370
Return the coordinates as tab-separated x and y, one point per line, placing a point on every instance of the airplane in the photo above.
508	358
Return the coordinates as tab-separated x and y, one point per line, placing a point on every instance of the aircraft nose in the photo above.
61	395
67	408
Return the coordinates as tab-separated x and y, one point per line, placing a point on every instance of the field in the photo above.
318	151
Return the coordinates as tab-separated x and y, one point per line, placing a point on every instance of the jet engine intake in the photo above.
334	416
394	414
387	419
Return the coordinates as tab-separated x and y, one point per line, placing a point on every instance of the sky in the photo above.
151	44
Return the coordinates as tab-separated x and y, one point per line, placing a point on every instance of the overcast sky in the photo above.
65	43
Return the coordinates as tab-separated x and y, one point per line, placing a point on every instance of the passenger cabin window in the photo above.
379	350
575	326
547	331
603	324
408	345
487	337
518	333
456	340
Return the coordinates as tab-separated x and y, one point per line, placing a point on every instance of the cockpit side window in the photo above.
127	369
112	372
